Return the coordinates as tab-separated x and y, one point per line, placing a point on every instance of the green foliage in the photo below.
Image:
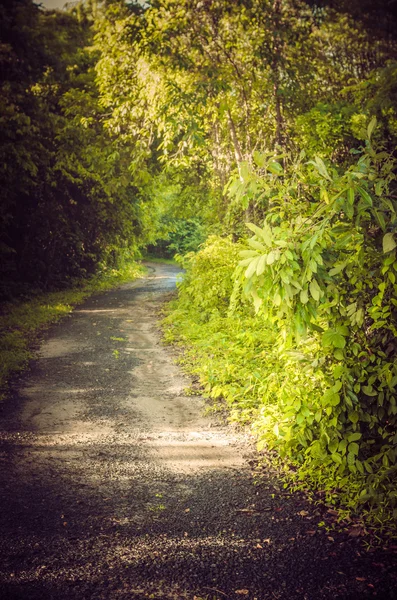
69	203
321	385
182	236
321	270
208	283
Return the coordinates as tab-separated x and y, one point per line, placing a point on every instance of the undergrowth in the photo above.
237	355
22	321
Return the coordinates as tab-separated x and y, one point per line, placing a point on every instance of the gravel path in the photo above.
114	486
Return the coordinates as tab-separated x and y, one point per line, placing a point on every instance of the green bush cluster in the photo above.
182	236
315	368
208	282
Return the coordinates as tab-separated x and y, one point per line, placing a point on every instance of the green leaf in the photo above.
353	448
270	258
259	158
275	168
371	127
388	242
252	267
315	290
336	458
335	400
337	269
354	416
248	253
245	262
364	195
304	296
351	458
260	267
257	245
369	390
319	164
353	437
264	234
333	338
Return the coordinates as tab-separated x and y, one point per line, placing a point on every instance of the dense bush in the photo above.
182	236
316	368
208	282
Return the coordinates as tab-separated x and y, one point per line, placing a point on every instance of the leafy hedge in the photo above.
316	368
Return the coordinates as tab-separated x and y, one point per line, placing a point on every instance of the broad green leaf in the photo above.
304	296
259	158
351	458
252	267
343	330
335	400
388	242
364	195
336	458
319	164
260	267
245	262
337	269
369	390
353	448
333	338
371	127
264	234
353	437
315	290
248	253
257	300
360	468
275	168
257	245
271	257
353	416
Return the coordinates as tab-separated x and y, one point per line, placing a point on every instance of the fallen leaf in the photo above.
187	510
242	592
360	578
356	531
332	512
303	513
331	539
258	546
310	532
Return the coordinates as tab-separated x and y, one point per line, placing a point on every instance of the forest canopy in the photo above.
267	127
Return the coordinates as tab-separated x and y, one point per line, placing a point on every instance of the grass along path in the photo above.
22	322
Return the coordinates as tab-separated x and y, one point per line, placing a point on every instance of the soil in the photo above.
115	486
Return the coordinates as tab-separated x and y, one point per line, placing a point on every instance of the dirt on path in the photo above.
115	486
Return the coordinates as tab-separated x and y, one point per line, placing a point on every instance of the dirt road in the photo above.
114	485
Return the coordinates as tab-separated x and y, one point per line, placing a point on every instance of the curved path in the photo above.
114	486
